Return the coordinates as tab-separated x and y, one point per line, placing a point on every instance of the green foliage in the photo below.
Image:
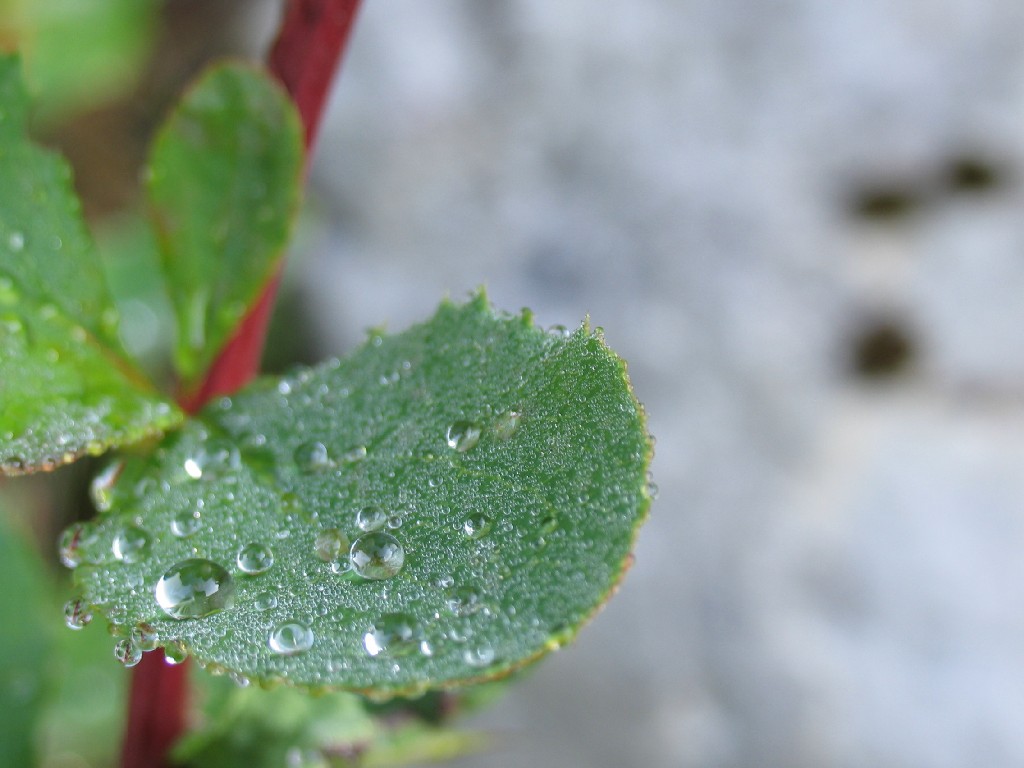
66	385
252	728
223	183
25	644
65	72
442	507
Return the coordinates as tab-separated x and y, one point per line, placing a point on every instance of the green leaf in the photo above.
224	183
66	386
507	464
253	728
25	643
79	54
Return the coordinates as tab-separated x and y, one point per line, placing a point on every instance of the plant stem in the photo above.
304	58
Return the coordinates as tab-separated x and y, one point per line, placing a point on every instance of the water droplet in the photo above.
131	544
77	614
395	522
652	490
16	241
144	637
213	459
175	652
195	588
74	543
265	601
481	656
101	489
394	634
330	544
507	424
291	638
341	566
354	454
462	436
313	457
186	523
255	558
371	518
445	580
376	555
464	601
476	526
127	652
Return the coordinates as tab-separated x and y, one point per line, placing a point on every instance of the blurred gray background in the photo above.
800	222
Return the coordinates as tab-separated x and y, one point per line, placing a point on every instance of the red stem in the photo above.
304	58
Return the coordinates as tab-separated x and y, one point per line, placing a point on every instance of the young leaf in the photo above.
442	507
223	184
66	386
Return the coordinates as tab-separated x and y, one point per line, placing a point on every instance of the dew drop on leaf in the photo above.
131	544
291	638
77	614
313	457
73	543
186	523
126	652
265	601
16	242
354	454
481	656
175	652
255	558
476	526
101	489
462	436
194	588
144	637
377	555
464	601
507	424
371	518
330	544
394	634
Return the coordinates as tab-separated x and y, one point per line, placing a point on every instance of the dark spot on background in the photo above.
881	348
972	174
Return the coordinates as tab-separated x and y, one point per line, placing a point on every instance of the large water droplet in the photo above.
377	555
195	588
464	601
476	526
77	614
144	637
212	459
330	544
507	424
462	436
354	454
127	652
394	634
313	457
371	518
291	638
131	544
175	652
255	558
16	241
101	489
186	523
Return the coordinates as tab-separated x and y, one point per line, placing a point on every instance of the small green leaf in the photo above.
224	185
66	386
25	644
442	507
